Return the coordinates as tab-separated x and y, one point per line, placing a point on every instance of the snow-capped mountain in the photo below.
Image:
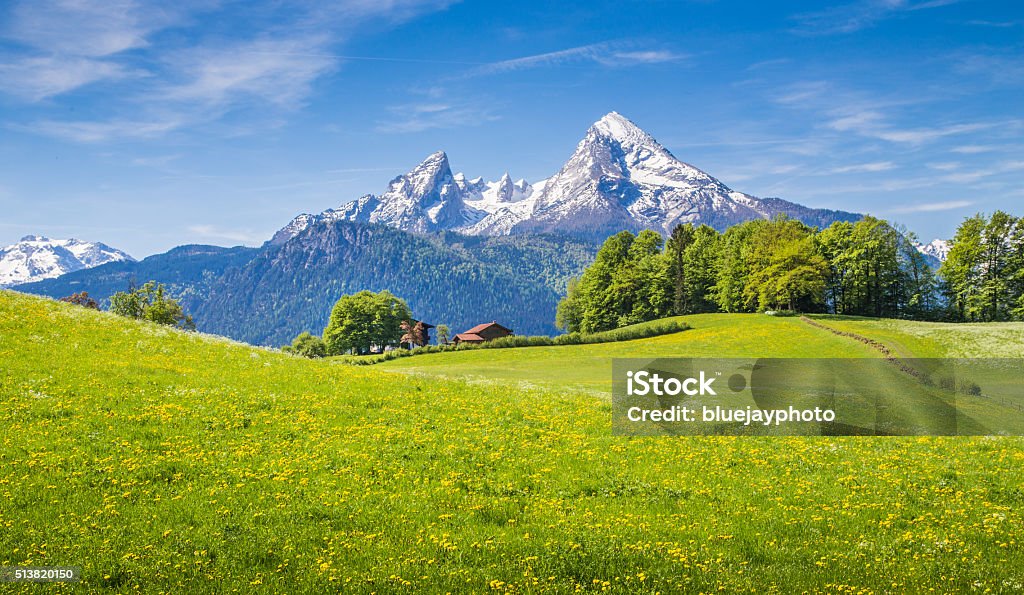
937	249
35	258
618	178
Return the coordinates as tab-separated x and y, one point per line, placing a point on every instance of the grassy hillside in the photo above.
160	461
930	339
587	367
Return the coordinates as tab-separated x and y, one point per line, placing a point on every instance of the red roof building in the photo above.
482	332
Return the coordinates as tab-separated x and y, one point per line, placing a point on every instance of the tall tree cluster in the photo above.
364	320
984	272
866	268
627	283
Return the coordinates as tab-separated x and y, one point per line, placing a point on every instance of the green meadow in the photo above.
166	461
588	367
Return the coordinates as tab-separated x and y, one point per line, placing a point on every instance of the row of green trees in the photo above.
864	268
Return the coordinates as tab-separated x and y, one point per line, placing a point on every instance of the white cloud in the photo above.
922	135
351	12
804	92
1002	69
39	77
644	57
864	167
857	122
232	235
930	207
973	149
855	16
279	71
67	44
586	52
86	28
421	117
970	176
172	82
155	160
605	53
996	24
99	131
871	123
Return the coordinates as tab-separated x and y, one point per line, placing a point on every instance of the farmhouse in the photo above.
482	332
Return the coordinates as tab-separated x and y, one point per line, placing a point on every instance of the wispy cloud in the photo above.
440	112
155	160
232	235
613	54
65	45
427	116
996	24
967	176
876	166
930	207
98	131
35	78
802	93
174	82
922	135
278	71
973	149
87	28
998	68
872	123
643	57
769	63
855	16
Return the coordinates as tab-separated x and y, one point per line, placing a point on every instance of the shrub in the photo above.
151	302
307	345
81	299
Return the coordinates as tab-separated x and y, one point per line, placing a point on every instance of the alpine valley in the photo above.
459	250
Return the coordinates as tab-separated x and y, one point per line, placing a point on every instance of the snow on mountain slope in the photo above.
937	249
431	198
425	199
618	178
36	257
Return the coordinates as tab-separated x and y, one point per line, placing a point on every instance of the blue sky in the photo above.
146	126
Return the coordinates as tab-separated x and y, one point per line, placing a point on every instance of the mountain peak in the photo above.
434	161
618	127
36	257
435	157
425	180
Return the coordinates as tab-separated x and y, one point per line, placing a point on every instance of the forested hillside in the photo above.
448	278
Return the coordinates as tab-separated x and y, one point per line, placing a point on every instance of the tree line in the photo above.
863	268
